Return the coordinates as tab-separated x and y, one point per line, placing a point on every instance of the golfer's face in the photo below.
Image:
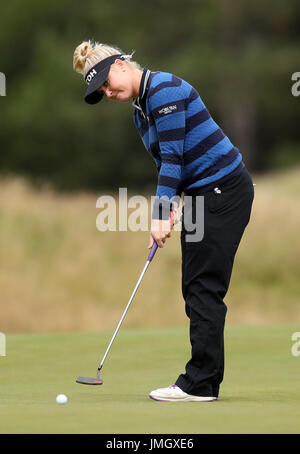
118	85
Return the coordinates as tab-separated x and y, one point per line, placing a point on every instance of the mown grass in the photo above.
59	273
259	394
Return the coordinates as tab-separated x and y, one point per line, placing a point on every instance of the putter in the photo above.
98	380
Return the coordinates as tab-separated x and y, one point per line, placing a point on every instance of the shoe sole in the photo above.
186	399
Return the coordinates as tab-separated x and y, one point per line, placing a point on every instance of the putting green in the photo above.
260	392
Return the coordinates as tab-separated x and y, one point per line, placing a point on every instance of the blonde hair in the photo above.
88	54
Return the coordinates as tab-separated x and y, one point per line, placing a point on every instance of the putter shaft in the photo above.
150	257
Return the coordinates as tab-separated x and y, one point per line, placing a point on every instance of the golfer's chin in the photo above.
122	97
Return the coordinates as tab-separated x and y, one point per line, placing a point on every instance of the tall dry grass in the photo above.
59	273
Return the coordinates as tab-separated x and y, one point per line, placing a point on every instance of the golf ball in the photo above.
61	399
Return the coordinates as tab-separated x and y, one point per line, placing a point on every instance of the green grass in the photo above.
260	392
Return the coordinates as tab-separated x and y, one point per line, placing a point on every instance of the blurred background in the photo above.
58	155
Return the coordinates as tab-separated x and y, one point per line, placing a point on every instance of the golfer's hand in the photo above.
174	216
160	231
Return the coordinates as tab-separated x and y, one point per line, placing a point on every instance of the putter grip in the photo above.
152	252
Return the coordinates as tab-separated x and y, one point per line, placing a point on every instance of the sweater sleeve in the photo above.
168	110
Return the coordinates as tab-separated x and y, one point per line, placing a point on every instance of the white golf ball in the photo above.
61	399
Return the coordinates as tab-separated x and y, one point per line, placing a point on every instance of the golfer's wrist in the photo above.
161	209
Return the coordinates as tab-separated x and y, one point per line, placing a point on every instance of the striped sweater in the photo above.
191	152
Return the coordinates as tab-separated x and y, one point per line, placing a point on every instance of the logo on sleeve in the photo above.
167	110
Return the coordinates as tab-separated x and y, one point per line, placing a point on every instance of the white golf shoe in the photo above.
174	394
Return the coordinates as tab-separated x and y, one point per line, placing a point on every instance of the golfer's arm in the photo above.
171	142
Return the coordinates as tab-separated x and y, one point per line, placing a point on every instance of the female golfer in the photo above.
194	158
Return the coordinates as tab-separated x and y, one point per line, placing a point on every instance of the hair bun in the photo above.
80	56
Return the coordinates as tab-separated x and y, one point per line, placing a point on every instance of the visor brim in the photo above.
92	96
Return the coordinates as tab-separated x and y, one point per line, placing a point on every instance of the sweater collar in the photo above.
143	85
143	89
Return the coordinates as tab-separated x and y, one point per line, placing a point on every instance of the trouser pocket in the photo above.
231	195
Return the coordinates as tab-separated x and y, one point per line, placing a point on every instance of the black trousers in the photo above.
206	272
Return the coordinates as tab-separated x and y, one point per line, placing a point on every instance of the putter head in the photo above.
89	381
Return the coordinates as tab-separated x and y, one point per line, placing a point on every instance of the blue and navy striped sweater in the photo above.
190	150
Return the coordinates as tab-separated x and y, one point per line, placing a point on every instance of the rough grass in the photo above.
59	273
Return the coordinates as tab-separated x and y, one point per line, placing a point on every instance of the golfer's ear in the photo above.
120	64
